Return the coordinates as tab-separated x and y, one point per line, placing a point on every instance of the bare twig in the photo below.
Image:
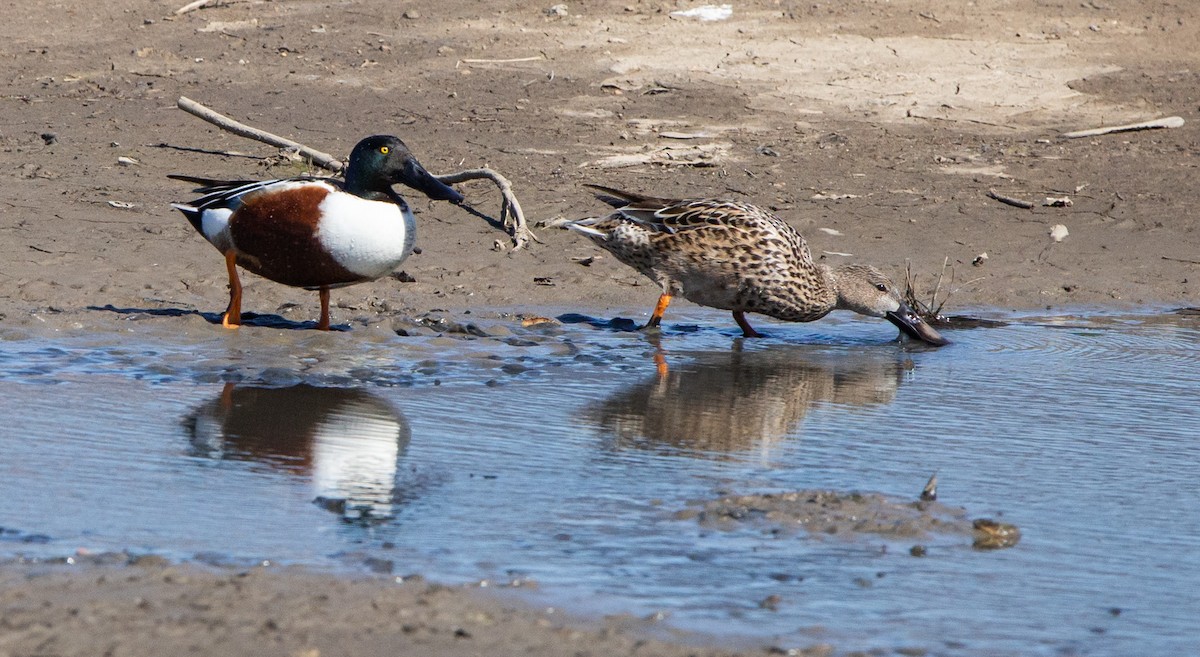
511	216
1168	122
937	309
503	61
192	6
1190	262
1008	200
323	160
932	312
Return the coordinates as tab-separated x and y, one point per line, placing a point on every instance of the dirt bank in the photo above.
877	129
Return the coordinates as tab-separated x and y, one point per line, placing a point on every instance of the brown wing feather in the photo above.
620	198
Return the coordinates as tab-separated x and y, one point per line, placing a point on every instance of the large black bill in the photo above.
418	178
913	326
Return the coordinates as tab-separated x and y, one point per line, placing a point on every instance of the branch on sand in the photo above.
192	6
1168	122
1008	200
511	216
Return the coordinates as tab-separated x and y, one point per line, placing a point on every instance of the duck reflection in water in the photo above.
346	440
723	405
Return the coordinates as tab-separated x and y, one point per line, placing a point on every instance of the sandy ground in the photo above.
153	608
875	127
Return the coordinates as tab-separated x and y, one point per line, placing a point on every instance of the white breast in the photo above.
369	238
355	452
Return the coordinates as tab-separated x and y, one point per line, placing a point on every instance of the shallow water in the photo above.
560	454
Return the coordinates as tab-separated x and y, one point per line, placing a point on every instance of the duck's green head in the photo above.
381	161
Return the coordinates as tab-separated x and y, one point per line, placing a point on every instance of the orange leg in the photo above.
323	324
233	314
660	364
664	300
747	330
227	396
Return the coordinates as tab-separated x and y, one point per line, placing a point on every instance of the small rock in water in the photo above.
992	535
771	602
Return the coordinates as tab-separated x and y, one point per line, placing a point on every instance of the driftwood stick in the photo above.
1168	122
323	160
192	6
1008	200
511	216
502	61
1190	262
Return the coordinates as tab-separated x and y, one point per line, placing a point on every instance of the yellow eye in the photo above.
384	149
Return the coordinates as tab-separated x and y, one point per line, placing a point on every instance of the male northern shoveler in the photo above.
316	233
739	257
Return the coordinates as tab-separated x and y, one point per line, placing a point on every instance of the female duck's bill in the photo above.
316	233
914	326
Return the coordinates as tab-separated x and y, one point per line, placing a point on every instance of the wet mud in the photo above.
823	514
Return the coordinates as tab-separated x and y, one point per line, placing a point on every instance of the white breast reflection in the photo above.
347	441
723	404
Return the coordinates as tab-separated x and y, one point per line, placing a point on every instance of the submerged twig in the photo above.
938	288
931	312
511	216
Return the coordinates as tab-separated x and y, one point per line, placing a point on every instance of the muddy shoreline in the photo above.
148	606
878	130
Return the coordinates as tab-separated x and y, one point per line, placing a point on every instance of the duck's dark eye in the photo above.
881	287
384	149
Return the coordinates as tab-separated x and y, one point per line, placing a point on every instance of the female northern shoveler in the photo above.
739	257
316	233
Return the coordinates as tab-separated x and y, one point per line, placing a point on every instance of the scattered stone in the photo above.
771	602
536	320
377	565
992	535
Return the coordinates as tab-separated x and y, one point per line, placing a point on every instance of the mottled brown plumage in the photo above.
739	257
